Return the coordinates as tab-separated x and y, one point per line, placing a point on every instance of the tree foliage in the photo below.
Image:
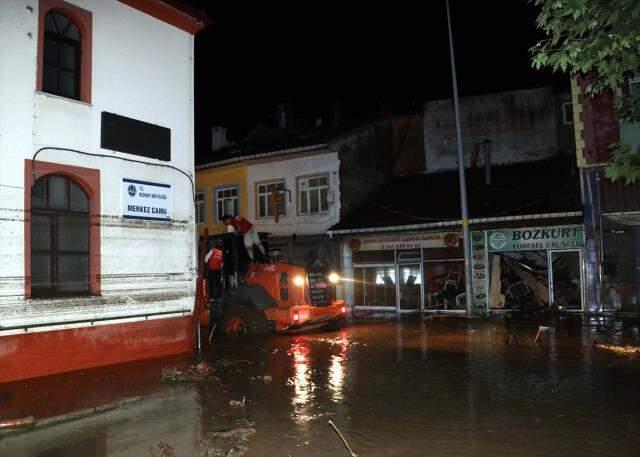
600	38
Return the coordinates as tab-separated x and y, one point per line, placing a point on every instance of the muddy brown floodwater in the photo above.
440	387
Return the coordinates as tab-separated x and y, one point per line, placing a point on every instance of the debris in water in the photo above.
542	329
337	341
200	372
266	378
344	441
165	450
227	363
238	403
619	348
229	442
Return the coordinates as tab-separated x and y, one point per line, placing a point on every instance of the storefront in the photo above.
618	239
523	269
528	268
406	272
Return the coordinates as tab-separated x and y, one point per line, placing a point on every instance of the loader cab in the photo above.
288	284
235	260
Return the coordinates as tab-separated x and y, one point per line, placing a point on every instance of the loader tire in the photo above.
242	321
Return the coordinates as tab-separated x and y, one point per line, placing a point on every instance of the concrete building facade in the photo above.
93	120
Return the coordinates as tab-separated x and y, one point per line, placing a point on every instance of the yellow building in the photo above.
220	190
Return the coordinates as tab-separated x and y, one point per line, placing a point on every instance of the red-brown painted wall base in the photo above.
68	393
44	353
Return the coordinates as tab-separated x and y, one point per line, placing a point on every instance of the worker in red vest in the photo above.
213	259
248	231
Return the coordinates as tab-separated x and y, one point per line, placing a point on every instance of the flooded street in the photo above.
439	387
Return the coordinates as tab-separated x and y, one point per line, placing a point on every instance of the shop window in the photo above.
385	275
64	49
270	195
619	267
227	201
200	207
59	237
313	194
443	283
409	281
375	286
410	274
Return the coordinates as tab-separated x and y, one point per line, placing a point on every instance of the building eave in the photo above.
453	223
262	155
165	12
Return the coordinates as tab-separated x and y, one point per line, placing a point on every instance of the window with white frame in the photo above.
313	194
227	201
200	215
270	194
567	113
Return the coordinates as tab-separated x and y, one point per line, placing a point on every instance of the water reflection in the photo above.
337	368
423	340
303	386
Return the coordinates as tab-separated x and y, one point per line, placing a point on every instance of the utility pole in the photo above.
463	185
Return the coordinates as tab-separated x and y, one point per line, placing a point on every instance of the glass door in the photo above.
375	287
565	279
409	286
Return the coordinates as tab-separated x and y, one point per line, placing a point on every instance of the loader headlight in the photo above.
298	281
334	278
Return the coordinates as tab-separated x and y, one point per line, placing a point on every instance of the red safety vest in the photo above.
215	260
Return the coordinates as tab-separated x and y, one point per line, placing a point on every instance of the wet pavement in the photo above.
411	387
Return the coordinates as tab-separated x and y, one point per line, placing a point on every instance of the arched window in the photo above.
62	56
59	237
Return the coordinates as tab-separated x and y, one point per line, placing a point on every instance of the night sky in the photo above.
391	55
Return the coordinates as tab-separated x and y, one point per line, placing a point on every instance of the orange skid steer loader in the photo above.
265	297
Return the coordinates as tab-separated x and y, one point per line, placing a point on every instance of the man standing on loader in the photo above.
248	231
213	260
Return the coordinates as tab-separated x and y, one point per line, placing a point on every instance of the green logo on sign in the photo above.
498	240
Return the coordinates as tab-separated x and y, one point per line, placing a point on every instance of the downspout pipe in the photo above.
595	227
600	243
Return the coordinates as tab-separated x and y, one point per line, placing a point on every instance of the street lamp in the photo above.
463	185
